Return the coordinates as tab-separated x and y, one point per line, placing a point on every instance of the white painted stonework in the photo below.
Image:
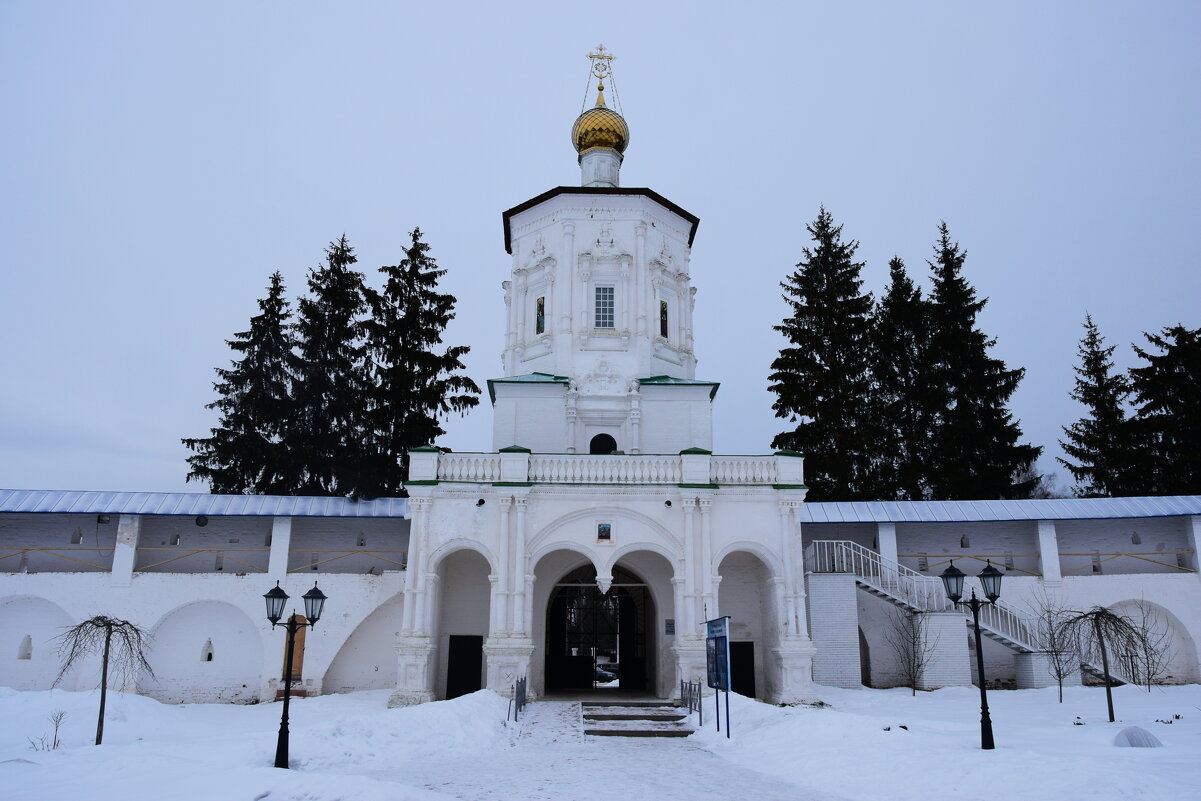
465	584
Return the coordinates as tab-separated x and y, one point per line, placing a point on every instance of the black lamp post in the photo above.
314	602
990	580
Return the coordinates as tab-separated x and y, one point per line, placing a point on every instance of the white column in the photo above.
411	619
281	544
692	572
1048	552
428	599
886	538
640	277
565	305
1194	538
125	552
627	294
517	577
500	596
790	614
707	584
496	606
523	310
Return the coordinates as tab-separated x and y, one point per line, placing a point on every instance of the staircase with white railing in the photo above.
911	590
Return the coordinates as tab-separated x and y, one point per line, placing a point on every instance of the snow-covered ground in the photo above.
347	747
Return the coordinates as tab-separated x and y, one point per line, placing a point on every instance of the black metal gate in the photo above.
594	639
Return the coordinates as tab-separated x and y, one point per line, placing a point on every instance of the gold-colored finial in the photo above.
600	62
600	127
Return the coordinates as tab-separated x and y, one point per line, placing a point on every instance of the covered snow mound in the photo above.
380	740
886	744
1134	737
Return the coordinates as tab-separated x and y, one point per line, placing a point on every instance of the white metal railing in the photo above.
743	470
922	593
469	467
566	468
916	591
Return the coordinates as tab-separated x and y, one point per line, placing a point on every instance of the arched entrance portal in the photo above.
598	640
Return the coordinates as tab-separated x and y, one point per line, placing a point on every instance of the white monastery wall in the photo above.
176	544
68	543
1088	547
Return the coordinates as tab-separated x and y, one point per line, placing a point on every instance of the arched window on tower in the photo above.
602	443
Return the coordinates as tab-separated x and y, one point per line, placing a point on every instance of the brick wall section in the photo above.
834	629
948	665
1032	671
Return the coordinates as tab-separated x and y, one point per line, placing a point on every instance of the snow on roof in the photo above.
186	503
982	511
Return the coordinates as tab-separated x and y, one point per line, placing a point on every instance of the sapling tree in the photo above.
1103	634
1155	651
1056	640
909	637
122	648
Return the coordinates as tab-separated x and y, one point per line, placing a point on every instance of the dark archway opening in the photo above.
598	640
602	443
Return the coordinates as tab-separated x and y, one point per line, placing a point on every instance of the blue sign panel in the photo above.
717	653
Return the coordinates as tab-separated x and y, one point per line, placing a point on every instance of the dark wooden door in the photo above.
742	668
464	664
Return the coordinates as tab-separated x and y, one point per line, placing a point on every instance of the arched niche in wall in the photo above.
367	660
29	657
184	640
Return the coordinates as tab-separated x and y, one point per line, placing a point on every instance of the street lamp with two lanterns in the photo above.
990	582
314	603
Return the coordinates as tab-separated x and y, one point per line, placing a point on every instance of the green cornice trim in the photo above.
696	451
424	449
514	449
698	486
789	486
420	483
512	483
794	454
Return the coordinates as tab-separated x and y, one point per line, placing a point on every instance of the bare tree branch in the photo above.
908	636
122	646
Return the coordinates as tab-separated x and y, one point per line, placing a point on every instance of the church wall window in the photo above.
25	651
663	319
604	307
540	315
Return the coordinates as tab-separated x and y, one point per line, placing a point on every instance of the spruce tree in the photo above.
330	431
1100	441
245	454
821	378
974	444
1167	426
899	352
416	380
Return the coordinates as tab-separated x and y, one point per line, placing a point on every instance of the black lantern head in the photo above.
314	602
990	580
276	599
952	582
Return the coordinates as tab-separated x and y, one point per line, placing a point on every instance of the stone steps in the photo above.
633	719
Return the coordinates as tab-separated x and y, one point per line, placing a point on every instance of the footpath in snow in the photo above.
885	745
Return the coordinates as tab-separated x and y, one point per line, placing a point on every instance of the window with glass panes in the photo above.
604	307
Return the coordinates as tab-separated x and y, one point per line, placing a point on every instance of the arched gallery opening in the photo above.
463	595
602	636
746	595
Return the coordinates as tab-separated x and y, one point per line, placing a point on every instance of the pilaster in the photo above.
1048	553
125	552
281	545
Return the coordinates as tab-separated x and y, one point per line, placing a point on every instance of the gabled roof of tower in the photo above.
529	378
666	380
691	218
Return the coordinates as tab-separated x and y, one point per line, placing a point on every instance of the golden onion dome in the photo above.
600	127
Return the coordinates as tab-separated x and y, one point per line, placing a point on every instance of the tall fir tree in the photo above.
417	381
899	353
330	432
246	454
1167	426
821	378
974	444
1099	443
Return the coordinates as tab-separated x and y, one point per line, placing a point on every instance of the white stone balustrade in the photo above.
689	468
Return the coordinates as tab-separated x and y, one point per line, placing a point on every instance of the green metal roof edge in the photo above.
517	379
671	381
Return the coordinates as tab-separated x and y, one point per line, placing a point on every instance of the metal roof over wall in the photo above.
984	511
187	503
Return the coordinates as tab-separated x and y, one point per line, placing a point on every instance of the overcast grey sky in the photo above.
160	160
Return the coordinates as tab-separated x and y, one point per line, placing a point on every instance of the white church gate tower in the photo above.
601	532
